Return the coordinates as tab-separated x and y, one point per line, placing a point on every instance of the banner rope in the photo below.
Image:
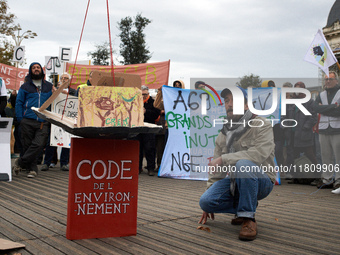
108	24
75	61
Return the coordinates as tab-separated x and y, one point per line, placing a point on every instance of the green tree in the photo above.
101	55
9	29
6	19
249	81
133	47
6	52
6	22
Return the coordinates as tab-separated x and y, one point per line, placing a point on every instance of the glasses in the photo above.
64	78
329	79
145	94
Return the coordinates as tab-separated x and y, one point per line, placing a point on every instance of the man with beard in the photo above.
245	146
327	104
34	131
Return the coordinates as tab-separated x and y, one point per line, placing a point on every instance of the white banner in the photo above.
191	141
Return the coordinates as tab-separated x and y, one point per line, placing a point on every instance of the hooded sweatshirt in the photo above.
30	95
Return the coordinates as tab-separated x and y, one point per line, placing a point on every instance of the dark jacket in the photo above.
151	113
328	110
302	134
30	96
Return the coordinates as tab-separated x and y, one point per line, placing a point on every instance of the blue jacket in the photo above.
29	96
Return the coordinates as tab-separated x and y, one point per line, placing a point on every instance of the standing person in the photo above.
178	84
34	131
278	132
159	104
300	137
51	150
288	157
147	142
3	97
327	104
244	149
66	77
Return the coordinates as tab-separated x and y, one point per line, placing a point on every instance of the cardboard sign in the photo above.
59	137
19	54
9	245
105	79
65	53
103	188
102	106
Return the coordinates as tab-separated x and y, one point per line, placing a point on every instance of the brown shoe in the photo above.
237	220
249	230
151	173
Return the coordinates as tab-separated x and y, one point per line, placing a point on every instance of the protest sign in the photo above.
59	137
153	75
103	188
191	142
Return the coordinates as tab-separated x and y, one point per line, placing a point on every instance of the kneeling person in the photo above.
244	149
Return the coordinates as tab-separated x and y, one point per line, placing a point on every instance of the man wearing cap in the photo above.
246	147
34	131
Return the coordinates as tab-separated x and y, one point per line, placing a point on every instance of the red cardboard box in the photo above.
103	188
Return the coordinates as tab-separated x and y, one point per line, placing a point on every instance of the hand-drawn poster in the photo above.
193	124
59	137
101	106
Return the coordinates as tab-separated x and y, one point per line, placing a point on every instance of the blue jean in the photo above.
251	186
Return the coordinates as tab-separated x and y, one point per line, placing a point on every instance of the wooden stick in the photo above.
338	64
49	101
16	77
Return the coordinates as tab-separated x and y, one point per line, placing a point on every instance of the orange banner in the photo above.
153	75
13	77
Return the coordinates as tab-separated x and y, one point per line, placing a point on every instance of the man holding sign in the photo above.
243	170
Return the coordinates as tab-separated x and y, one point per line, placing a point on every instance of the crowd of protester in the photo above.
306	140
314	140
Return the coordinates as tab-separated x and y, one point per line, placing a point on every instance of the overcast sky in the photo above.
220	38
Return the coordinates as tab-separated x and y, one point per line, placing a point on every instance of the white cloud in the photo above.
222	38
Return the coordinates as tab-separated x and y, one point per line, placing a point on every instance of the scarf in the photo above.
233	131
144	101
